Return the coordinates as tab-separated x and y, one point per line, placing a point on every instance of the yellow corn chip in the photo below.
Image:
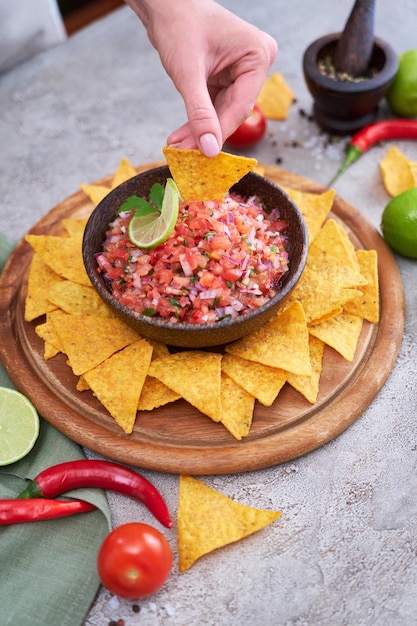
154	393
62	254
74	228
396	171
281	343
78	299
340	333
203	178
275	98
53	345
332	256
314	208
237	408
124	172
367	304
87	342
261	381
308	386
96	193
208	520
320	295
195	376
82	384
118	382
40	278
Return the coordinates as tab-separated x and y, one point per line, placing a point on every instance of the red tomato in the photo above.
250	131
134	561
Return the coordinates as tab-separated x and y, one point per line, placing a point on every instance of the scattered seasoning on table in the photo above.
278	160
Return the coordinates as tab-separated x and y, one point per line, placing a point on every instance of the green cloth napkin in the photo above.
48	569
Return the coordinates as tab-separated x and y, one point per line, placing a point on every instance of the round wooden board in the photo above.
177	438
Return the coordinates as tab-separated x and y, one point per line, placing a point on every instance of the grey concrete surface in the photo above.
344	552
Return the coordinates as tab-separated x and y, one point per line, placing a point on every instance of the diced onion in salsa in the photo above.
223	259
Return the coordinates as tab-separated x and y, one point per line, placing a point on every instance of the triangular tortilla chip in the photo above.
62	254
123	173
118	382
263	382
367	304
308	386
396	172
75	228
237	408
88	343
275	98
332	254
195	376
204	178
47	332
208	520
314	207
40	278
340	333
281	343
96	193
78	299
154	392
320	297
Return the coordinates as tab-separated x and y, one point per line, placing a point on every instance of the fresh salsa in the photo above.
223	259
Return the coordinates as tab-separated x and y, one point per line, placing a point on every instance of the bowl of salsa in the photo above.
226	269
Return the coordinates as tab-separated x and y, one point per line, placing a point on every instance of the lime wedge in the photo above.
151	229
19	426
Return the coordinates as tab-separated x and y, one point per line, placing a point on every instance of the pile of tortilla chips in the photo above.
398	172
336	293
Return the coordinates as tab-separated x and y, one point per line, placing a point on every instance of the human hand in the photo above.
217	61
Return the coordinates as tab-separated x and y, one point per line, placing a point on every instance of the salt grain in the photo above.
114	602
169	609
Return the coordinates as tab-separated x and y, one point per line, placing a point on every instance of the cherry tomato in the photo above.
250	131
134	561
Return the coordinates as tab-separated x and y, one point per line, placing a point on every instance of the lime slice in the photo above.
152	229
19	426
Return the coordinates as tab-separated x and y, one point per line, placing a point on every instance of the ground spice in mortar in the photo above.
327	68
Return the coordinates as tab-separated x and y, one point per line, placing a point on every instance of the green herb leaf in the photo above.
150	312
134	203
156	195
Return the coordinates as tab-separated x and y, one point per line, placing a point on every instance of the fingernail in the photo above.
209	145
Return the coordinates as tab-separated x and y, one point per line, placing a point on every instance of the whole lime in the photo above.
402	94
399	223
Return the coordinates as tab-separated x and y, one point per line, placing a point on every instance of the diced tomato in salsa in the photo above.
222	260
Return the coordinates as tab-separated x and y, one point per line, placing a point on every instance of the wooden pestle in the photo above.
354	49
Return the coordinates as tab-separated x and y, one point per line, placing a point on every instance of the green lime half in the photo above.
152	229
399	223
19	426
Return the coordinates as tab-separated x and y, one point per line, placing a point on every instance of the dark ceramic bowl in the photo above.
196	335
343	107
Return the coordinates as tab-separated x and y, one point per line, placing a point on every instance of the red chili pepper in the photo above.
102	474
372	134
35	509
